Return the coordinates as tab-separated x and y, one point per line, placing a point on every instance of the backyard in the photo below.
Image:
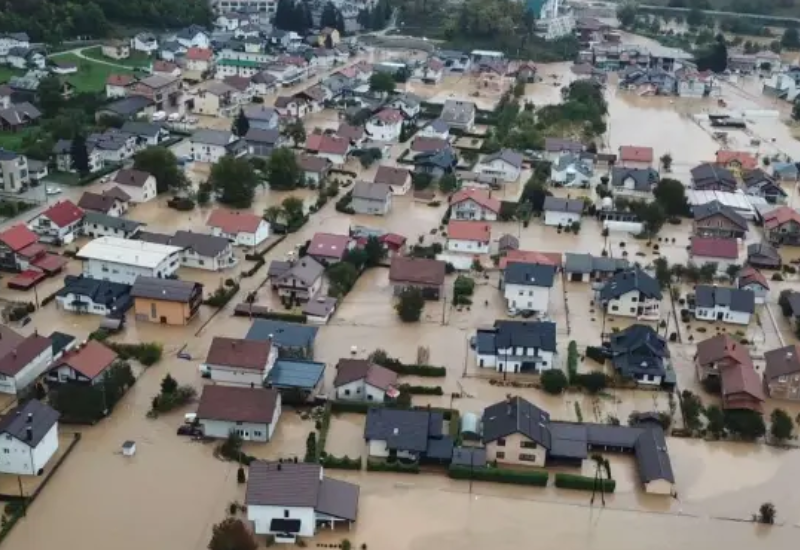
7	72
91	76
136	60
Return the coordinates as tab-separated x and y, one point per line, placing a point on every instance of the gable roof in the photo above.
587	263
220	138
722	348
558	145
90	360
708	174
638	350
18	237
405	269
714	208
750	275
531	257
402	429
351	370
626	281
282	334
425	144
712	247
22	353
779	216
516	416
763	249
169	290
311	163
477	196
328	245
783	361
745	159
371	191
238	353
643	178
120	80
134	178
635	153
306	270
112	222
558	204
234	221
526	334
735	299
391	175
529	275
509	156
468	230
33	415
347	131
99	203
237	404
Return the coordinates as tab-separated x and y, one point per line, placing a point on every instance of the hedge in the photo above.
351	407
500	475
221	296
341	463
399	467
583	483
324	427
416	370
254	269
147	354
421	390
263	312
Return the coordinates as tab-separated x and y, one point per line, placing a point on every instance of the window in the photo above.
257	434
501	442
347	392
527	457
153	312
500	455
6	451
286	513
633	310
614	308
634	299
528	444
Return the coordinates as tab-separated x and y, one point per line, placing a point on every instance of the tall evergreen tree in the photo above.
329	16
80	155
241	125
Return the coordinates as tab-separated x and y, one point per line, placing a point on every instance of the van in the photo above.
159	116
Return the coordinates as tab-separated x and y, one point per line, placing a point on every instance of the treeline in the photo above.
55	21
760	7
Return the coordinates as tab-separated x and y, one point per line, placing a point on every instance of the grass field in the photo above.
91	76
7	72
12	140
137	59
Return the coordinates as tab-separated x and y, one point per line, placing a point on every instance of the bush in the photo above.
500	475
593	382
222	296
399	467
554	381
343	204
421	390
584	483
165	402
777	277
148	353
428	371
350	407
343	463
596	354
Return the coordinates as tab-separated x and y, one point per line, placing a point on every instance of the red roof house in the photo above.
736	160
710	247
199	54
635	154
328	247
17	237
244	228
463	230
531	257
121	80
463	204
86	363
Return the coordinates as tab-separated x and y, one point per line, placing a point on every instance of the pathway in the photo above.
79	53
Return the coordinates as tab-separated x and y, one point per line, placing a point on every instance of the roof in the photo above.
634	153
652	456
509	156
712	247
220	138
371	191
234	221
32	414
306	270
117	193
750	275
140	128
391	175
526	334
722	348
90	359
112	222
439	126
311	163
111	294
333	145
129	106
96	202
18	237
257	135
706	174
21	353
627	281
352	133
643	178
199	54
127	251
237	404
477	196
239	353
405	269
328	245
425	144
457	111
338	499
557	204
783	361
639	350
779	216
120	80
736	299
402	429
351	370
294	373
60	341
260	112
473	457
389	116
557	145
763	249
716	208
586	263
169	290
134	178
516	416
745	159
156	81
282	334
529	275
531	257
466	230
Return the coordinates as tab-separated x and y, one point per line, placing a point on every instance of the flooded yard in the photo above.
346	435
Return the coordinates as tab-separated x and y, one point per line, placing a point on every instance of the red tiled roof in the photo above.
393	240
750	275
745	159
531	257
313	141
239	353
90	360
239	82
18	237
391	175
715	248
422	144
426	271
234	404
353	133
334	145
435	64
120	80
780	216
161	66
635	154
231	221
478	196
63	213
390	116
350	370
328	245
50	263
469	231
199	54
20	356
32	250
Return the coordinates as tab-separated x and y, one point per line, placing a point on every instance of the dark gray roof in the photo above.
405	430
440	448
735	299
527	334
112	295
713	208
60	341
220	138
626	281
707	174
257	135
284	335
586	263
277	268
202	244
557	204
129	105
516	416
568	440
529	274
320	306
485	342
371	191
652	456
643	178
112	222
557	145
639	350
141	128
338	499
474	457
765	250
507	155
439	126
294	373
33	415
306	270
171	290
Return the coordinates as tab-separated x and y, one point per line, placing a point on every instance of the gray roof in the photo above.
643	178
557	145
639	350
402	429
508	242
713	208
409	99
294	373
506	155
735	299
527	334
202	244
439	125
33	415
220	138
128	106
516	416
284	335
141	128
765	250
371	191
320	306
557	204
338	499
474	457
626	281
113	295
706	174
306	270
257	135
171	290
456	111
260	112
586	263
111	222
652	456
278	267
570	159
517	273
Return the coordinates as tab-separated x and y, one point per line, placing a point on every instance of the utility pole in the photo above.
444	306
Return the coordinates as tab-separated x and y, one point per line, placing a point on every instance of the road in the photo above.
775	18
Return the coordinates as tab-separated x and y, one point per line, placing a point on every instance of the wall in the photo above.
733	317
659	487
371	207
562	218
513	363
34	369
176	313
221	428
228	375
262	516
141	194
627	306
300	292
472	247
470	210
359	390
499	168
126	273
21	459
207	153
527	297
379	449
509	453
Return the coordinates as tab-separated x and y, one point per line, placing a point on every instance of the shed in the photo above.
470	427
129	448
471	457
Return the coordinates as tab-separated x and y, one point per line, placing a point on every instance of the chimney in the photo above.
396	431
29	433
30	418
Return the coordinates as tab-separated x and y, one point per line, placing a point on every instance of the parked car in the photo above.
52	190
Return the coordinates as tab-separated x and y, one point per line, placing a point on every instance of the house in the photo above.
17	116
782	226
86	295
555	147
407	104
261	143
147	134
144	42
300	281
759	184
328	38
290	500
506	164
711	177
26	58
471	237
29	432
261	117
165	68
14	175
437	129
563	212
785	171
85	364
458	114
333	148
632	293
127	107
723	252
526	287
59	224
371	198
199	59
123	260
363	380
164	91
515	431
250	413
237	361
38	170
215	98
716	220
139	185
166	301
782	373
571	170
353	134
199	250
319	309
634	182
425	144
436	164
107	203
22	360
212	145
315	169
631	156
584	268
13	244
474	204
398	179
424	274
292	340
639	353
736	161
193	36
328	248
517	346
763	256
729	305
13	40
386	125
241	228
97	224
432	71
406	434
116	49
723	360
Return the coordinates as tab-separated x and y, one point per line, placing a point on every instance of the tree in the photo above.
554	381
203	193
796	110
292	209
767	513
79	155
295	131
283	173
715	421
714	57
785	303
448	183
49	94
330	17
745	424
234	181
707	272
666	162
162	164
732	271
781	425
168	384
663	272
241	125
381	82
695	18
651	214
374	251
535	193
232	534
342	276
790	39
691	407
273	214
671	195
410	305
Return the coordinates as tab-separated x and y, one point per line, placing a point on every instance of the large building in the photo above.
123	260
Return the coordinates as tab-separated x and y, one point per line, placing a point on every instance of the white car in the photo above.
174	117
52	190
159	116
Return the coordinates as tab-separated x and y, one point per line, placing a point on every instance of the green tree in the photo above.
554	381
691	407
295	131
781	425
796	110
651	214
273	214
410	305
707	272
283	173
695	17
784	302
671	195
162	164
232	534
745	424
448	183
381	82
666	162
292	209
767	513
240	124
203	193
715	421
732	271
714	57
790	39
234	181
49	96
663	272
168	384
374	251
79	155
342	276
626	14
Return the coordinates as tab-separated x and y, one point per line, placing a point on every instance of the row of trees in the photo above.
293	15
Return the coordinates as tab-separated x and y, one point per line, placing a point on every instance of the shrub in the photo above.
350	407
593	382
148	353
399	467
165	402
343	463
584	483
417	370
500	475
240	477
596	354
777	277
221	296
421	390
554	381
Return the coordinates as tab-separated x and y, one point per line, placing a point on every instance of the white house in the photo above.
13	40
199	59
123	260
251	413
437	129
198	250
59	224
211	145
194	36
22	360
517	346
729	305
571	171
722	252
289	500
363	380
97	224
29	438
471	237
408	104
398	179
470	203
93	296
505	164
297	280
386	125
139	185
431	71
118	85
237	361
526	287
751	279
242	228
562	212
632	293
144	42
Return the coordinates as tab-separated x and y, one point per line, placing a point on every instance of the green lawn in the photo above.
12	140
91	76
64	178
7	72
137	59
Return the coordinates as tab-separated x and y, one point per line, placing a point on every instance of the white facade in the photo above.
70	302
527	297
379	130
564	219
628	304
145	193
7	42
28	374
147	46
204	152
262	517
499	168
199	40
359	390
470	210
241	376
758	291
511	360
245	238
223	260
123	260
430	131
470	247
49	233
114	91
19	458
722	263
248	431
570	176
379	448
722	313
